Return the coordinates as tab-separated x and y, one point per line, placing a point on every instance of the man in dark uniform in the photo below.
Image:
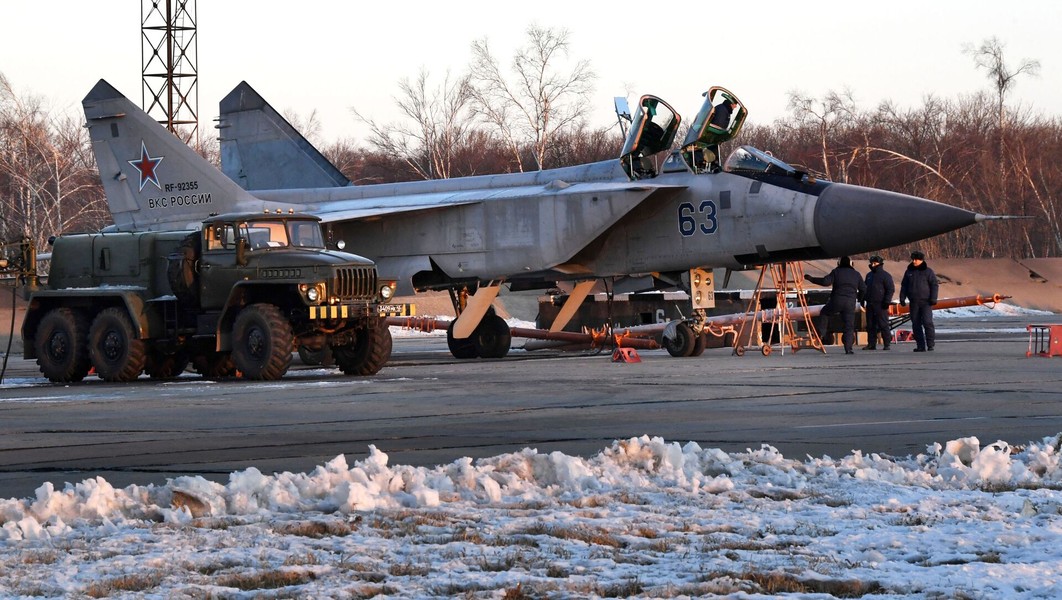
723	112
848	290
880	288
919	285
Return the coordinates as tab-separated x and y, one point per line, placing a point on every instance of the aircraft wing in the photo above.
334	209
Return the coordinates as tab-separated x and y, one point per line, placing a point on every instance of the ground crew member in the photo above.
848	290
880	288
920	285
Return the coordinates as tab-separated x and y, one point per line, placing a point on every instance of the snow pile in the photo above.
644	516
997	309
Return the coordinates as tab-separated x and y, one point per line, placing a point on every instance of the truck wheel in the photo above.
213	365
460	348
261	342
368	354
160	365
116	350
683	342
492	337
61	345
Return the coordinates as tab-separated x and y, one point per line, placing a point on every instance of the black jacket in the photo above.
919	284
848	287
880	286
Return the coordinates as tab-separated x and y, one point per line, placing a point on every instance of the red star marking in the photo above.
146	166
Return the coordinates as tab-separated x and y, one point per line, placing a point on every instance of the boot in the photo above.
873	347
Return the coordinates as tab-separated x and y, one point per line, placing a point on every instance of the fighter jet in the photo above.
652	211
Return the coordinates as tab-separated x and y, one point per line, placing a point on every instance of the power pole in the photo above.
169	55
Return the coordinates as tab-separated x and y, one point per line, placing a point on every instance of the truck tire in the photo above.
262	342
160	365
369	352
115	348
61	345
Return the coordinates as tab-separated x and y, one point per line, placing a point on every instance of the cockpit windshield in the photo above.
749	159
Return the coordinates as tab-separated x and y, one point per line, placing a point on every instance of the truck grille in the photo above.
355	283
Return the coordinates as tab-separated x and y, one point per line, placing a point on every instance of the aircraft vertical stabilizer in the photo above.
255	135
152	179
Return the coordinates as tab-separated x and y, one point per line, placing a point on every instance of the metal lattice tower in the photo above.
169	55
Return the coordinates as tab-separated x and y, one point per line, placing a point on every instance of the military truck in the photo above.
236	296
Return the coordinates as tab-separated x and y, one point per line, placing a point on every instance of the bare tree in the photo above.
826	115
48	180
989	56
440	122
543	99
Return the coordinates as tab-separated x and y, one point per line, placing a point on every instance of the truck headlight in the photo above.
314	293
387	291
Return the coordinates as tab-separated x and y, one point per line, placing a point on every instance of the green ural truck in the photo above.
235	297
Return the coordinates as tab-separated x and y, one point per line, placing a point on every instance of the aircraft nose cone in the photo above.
850	219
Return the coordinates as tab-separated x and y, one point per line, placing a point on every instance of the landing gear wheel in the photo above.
460	348
160	365
262	341
766	350
115	348
214	365
682	343
369	352
699	344
491	338
61	345
322	357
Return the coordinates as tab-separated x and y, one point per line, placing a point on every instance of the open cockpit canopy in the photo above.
653	130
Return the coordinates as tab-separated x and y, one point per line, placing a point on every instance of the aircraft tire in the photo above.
682	343
369	352
700	342
115	348
492	337
61	344
461	349
262	341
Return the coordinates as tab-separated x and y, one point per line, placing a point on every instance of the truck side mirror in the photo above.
241	251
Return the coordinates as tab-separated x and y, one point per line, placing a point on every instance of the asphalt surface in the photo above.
426	408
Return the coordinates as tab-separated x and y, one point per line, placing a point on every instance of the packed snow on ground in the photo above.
644	517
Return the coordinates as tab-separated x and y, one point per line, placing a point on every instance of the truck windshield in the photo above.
267	233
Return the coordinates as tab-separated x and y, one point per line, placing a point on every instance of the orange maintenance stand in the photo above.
1044	340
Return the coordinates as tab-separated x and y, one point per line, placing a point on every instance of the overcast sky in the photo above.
335	55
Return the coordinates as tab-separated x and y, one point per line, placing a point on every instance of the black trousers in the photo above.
822	324
878	322
925	334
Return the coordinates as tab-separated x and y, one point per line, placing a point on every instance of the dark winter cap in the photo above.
844	261
877	259
918	254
